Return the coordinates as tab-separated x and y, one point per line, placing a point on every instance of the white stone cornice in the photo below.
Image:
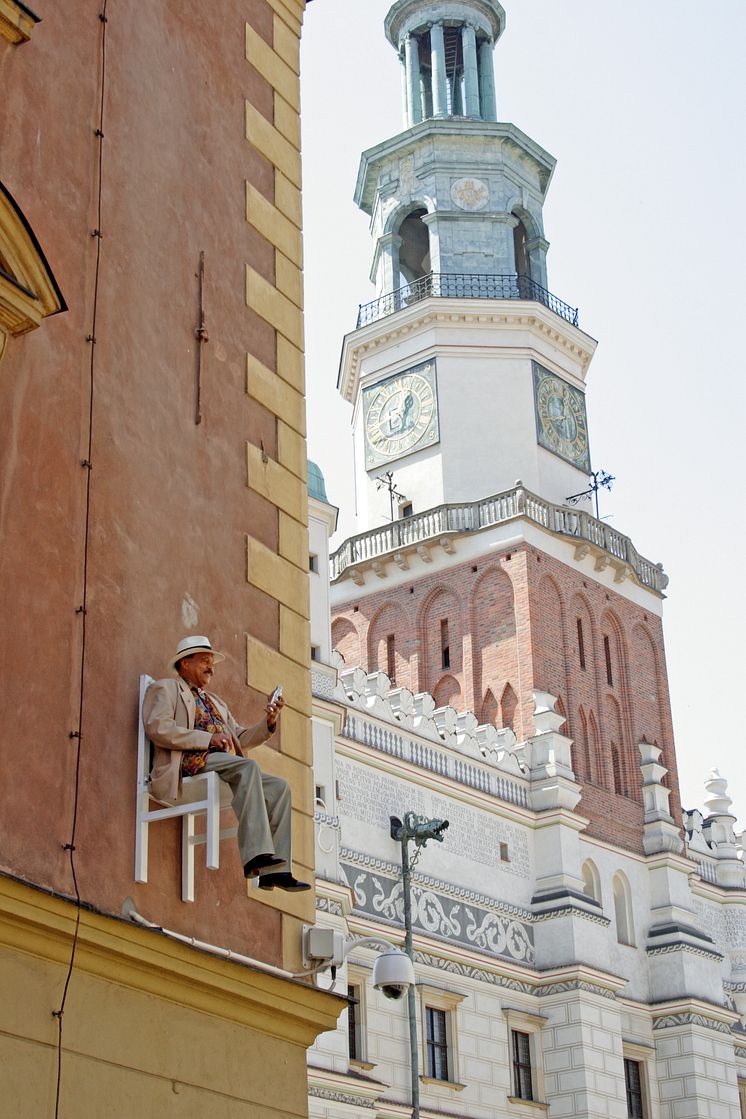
500	314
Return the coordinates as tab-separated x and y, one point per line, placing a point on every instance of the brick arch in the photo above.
390	620
611	626
579	607
447	692
646	705
583	672
494	649
553	665
346	640
441	603
508	707
595	752
580	755
618	770
559	707
490	711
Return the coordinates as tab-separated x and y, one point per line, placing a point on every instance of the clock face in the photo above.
400	415
561	423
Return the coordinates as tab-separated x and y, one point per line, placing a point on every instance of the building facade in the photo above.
153	470
579	942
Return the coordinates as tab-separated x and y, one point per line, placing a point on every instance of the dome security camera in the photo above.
393	974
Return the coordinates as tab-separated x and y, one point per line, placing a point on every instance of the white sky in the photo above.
643	106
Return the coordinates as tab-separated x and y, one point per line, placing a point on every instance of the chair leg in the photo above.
187	857
141	848
212	823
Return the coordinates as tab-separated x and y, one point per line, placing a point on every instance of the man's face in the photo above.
197	670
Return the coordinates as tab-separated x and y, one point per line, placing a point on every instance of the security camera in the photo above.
393	974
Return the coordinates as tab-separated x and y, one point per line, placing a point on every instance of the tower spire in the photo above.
446	54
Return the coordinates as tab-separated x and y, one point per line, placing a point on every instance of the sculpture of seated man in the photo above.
193	732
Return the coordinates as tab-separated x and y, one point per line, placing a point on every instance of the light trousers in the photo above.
261	804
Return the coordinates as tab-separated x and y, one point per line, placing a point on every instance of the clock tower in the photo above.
473	577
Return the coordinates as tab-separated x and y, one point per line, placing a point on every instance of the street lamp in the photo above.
418	830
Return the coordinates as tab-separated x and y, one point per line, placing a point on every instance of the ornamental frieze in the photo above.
439	916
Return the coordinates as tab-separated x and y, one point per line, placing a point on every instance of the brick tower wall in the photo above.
483	635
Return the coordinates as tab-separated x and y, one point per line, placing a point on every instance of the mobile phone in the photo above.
276	694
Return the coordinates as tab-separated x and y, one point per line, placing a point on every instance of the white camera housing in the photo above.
393	974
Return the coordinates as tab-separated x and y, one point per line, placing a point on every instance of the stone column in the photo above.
438	62
412	56
404	92
487	81
471	76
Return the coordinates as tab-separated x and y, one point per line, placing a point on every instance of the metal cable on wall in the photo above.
76	735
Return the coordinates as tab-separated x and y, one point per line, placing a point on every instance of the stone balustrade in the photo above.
439	525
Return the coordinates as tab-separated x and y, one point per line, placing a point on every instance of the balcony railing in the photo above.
451	285
611	547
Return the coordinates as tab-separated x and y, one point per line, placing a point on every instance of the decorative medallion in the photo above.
470	194
561	423
400	415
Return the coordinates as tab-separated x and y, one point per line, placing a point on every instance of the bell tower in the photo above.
473	577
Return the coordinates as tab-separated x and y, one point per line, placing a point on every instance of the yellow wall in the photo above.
151	1028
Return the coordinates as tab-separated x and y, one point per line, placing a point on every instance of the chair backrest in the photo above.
144	748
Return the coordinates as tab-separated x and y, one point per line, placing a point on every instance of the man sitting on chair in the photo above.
193	732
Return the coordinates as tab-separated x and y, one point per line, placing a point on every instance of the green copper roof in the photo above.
316	486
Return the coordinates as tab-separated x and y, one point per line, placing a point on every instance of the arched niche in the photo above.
447	692
346	640
508	707
625	926
414	247
441	627
387	638
591	880
490	712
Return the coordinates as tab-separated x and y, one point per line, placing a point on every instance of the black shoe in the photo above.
259	863
283	881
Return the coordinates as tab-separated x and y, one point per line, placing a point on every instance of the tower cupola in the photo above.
445	49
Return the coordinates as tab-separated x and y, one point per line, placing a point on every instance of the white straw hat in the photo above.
197	644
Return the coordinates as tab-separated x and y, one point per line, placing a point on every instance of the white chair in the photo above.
204	794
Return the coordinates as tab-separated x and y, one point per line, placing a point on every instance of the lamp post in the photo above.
417	829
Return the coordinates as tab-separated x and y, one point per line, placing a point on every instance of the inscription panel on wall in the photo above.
371	798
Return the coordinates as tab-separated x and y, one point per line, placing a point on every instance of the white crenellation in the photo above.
404	710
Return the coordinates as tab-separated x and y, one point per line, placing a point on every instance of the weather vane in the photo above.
598	479
386	481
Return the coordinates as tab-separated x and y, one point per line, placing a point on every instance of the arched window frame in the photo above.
591	880
623	913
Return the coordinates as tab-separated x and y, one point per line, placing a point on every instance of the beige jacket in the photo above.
168	717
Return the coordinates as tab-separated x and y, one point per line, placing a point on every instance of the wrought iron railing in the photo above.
452	285
448	520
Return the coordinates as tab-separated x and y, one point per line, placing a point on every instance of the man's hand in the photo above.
220	741
273	712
